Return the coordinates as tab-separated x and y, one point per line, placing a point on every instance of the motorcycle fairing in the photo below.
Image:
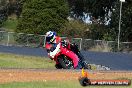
71	55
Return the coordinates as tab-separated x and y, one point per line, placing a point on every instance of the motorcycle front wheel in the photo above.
65	62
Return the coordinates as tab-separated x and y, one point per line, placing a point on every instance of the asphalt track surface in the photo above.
116	61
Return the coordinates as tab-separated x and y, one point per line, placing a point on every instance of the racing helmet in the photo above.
50	36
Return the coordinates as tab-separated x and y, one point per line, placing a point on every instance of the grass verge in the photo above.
53	84
20	61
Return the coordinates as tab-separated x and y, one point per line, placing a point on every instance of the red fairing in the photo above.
71	55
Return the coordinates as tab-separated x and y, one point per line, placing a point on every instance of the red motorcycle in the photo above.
65	57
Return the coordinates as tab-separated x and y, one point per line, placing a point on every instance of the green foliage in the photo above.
77	8
10	24
2	2
126	22
74	28
97	9
3	12
98	32
15	7
40	16
102	11
77	28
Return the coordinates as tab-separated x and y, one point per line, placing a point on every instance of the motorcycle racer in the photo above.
52	40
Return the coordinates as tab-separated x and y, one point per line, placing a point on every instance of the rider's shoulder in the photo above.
58	38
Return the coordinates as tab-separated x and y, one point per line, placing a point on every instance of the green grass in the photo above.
49	84
10	25
20	61
53	84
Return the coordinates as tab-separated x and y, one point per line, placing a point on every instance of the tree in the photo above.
96	9
99	12
18	7
102	12
77	8
126	22
15	7
39	16
74	28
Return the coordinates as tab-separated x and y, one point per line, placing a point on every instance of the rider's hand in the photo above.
50	56
64	43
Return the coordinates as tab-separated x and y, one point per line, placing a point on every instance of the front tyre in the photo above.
58	66
65	62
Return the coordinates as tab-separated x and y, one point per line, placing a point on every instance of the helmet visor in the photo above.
49	39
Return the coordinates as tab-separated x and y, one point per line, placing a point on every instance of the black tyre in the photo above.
65	62
84	81
58	66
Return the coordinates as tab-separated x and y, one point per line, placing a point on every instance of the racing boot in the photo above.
85	65
83	62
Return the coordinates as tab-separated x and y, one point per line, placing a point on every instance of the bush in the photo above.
40	16
74	28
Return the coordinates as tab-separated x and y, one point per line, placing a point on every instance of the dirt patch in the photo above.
14	75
